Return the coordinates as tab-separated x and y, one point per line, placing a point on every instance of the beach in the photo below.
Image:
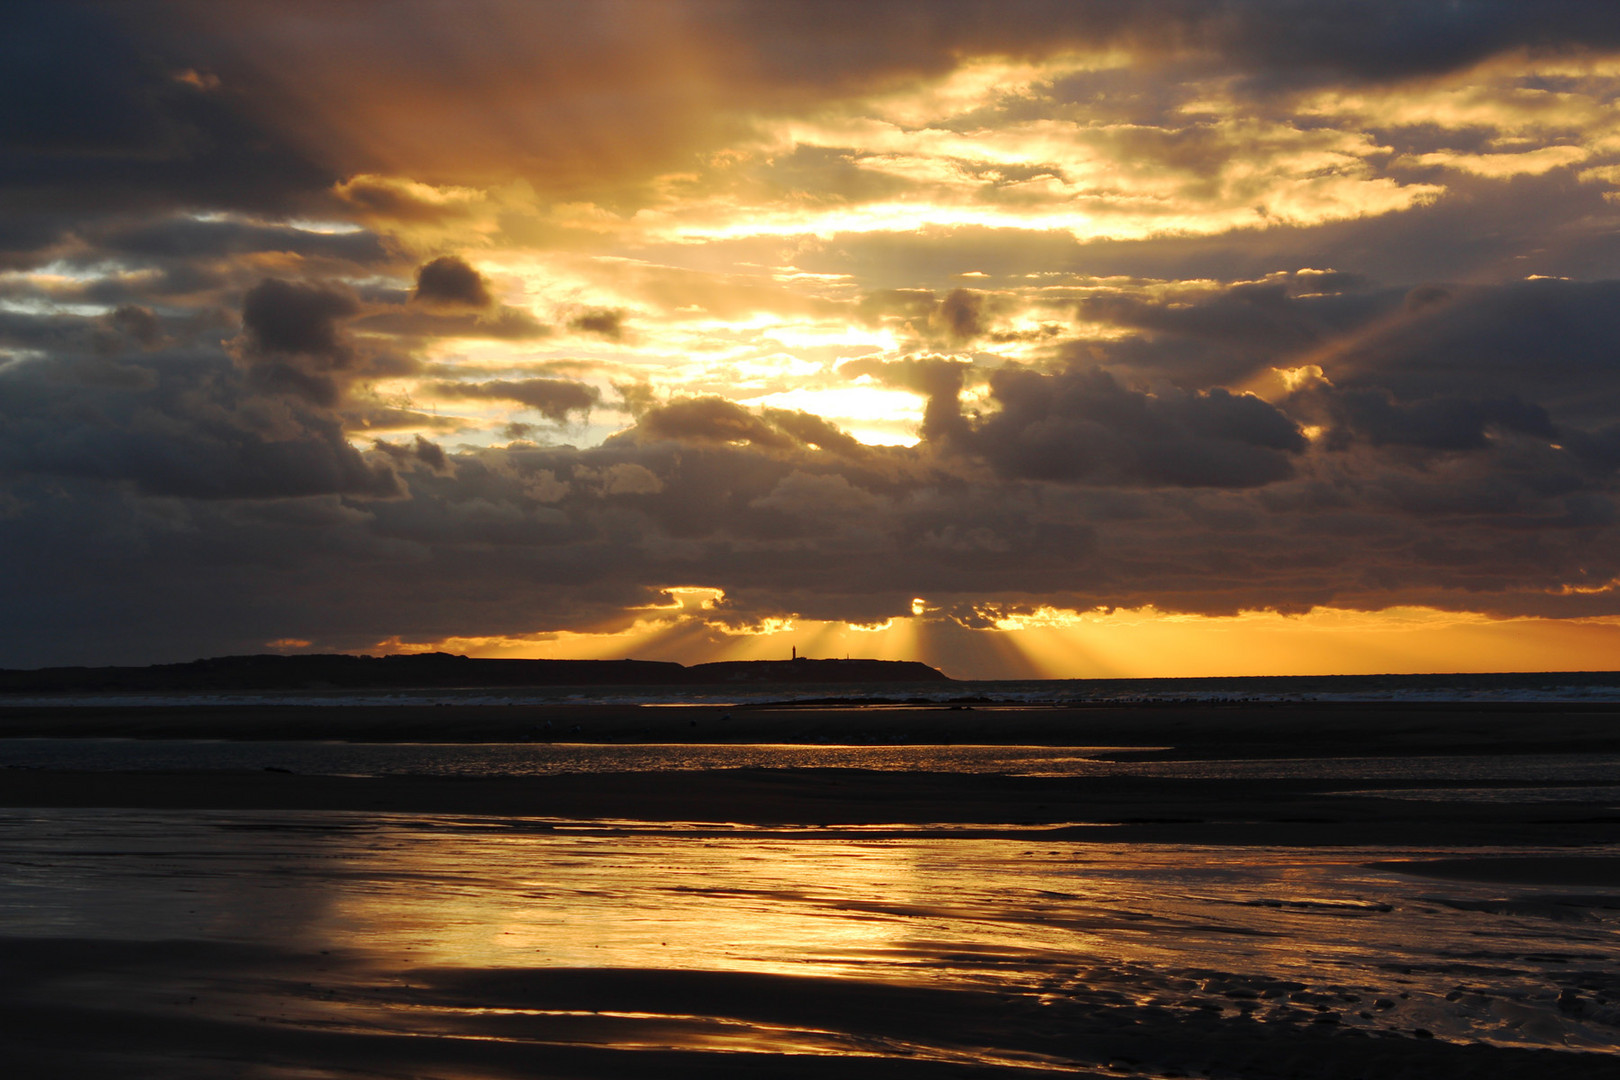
815	890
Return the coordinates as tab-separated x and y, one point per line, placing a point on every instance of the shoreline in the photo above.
1204	732
1191	732
1111	810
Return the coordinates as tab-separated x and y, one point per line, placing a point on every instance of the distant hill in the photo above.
445	671
801	670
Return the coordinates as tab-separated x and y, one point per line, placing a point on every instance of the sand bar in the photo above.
1190	731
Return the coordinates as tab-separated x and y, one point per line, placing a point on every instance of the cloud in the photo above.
414	324
1203	307
554	399
811	495
961	314
185	237
812	430
937	378
709	419
628	478
134	324
604	323
449	282
291	318
99	128
399	200
430	454
190	429
567	537
1439	423
1083	426
292	342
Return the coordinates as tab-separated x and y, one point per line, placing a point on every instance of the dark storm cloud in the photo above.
97	124
1439	423
937	378
131	325
1396	40
812	430
778	435
710	419
293	342
185	429
1552	341
369	414
605	323
1084	426
421	450
1268	316
1547	341
961	314
703	491
875	306
290	317
684	78
188	238
108	117
394	201
499	323
959	318
816	42
552	398
450	282
635	398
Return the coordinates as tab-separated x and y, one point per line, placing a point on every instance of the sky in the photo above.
1026	339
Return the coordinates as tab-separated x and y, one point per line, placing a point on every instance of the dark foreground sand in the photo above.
171	1011
213	1007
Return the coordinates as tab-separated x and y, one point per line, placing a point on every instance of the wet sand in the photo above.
1131	809
276	944
153	995
1136	810
1185	731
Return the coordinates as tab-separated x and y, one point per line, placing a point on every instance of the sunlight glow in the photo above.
1054	643
648	253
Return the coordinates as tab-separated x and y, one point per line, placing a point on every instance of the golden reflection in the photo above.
584	899
405	941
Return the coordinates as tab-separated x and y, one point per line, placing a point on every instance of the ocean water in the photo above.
1482	688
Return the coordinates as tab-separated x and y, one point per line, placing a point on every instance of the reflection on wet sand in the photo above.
328	944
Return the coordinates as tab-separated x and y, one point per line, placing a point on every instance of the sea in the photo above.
1562	686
